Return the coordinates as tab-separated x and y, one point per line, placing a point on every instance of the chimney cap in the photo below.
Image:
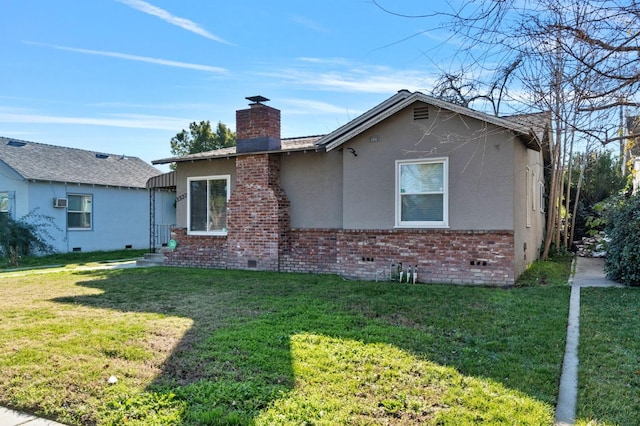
256	100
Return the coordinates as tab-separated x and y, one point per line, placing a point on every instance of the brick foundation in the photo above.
441	256
197	251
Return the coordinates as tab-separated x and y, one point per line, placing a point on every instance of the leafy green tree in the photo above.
602	178
201	138
26	236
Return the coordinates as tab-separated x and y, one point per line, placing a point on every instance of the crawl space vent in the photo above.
421	113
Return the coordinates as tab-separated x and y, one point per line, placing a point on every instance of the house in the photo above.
415	183
97	201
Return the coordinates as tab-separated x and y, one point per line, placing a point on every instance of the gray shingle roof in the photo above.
287	145
37	161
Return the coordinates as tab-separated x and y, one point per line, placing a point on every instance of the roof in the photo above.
539	122
404	98
307	143
522	128
42	162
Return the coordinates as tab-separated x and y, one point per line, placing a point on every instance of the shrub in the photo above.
623	248
25	236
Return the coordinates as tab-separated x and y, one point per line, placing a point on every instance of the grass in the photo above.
198	347
554	272
609	374
77	258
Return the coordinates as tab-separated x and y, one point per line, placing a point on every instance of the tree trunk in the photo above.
577	197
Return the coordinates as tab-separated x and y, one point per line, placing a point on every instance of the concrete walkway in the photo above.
14	418
589	272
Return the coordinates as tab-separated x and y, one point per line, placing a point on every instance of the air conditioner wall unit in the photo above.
60	203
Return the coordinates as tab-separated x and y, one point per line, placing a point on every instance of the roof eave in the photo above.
214	156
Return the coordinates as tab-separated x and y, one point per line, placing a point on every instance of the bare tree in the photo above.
461	89
579	61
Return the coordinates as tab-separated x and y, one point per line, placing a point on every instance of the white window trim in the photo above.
542	200
70	228
445	201
207	178
8	202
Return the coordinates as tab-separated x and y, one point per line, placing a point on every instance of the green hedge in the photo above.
623	248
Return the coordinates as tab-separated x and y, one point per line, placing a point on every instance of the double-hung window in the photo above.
4	202
207	205
422	193
79	211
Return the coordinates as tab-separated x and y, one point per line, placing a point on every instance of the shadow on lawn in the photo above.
237	357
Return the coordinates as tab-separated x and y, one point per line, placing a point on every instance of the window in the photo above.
4	202
542	199
422	193
207	205
79	211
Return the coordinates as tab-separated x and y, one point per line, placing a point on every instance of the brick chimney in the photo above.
258	209
257	128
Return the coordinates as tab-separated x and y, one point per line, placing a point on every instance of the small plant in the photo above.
25	236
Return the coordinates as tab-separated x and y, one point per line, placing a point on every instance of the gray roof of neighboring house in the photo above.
37	161
307	143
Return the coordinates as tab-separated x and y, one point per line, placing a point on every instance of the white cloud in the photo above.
308	23
326	61
306	106
129	57
132	121
183	23
364	79
166	106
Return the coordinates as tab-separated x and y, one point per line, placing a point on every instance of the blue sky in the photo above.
124	76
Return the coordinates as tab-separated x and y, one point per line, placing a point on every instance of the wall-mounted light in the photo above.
353	151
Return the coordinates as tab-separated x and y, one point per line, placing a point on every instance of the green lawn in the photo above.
197	347
76	258
609	375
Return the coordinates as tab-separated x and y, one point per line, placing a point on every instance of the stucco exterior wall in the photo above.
120	216
13	183
481	170
223	166
529	213
313	184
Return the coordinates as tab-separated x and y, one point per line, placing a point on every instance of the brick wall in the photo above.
197	251
257	214
311	250
443	256
440	256
259	121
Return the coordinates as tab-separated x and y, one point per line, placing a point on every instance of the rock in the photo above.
592	246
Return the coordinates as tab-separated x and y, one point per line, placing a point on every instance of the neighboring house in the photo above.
97	201
453	194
